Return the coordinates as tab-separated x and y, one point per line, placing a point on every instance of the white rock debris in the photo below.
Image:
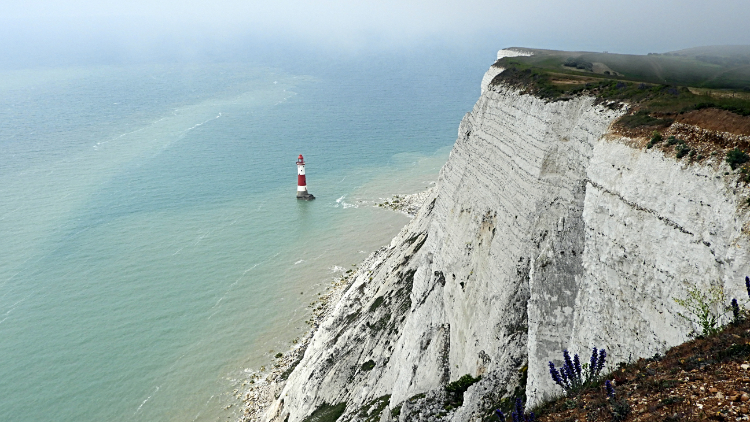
407	204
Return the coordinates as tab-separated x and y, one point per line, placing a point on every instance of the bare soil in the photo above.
718	120
701	380
706	132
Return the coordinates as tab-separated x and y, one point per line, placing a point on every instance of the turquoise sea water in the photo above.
151	246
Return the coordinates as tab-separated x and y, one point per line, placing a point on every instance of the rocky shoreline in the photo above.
263	386
407	204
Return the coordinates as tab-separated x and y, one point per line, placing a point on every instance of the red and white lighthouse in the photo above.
301	181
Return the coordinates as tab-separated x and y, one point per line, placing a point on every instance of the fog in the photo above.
36	31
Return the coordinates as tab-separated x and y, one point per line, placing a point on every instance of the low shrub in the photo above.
457	388
642	118
735	311
737	157
326	413
371	411
620	409
734	351
704	309
655	139
681	150
707	310
396	411
579	63
672	140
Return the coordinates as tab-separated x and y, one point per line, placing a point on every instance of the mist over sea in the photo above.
151	246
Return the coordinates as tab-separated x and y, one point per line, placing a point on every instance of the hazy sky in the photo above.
140	26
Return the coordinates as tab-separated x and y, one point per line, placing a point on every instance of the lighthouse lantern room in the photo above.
301	181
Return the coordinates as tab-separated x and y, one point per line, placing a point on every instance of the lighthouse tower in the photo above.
301	181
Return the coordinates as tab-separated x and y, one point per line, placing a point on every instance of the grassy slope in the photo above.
670	83
704	67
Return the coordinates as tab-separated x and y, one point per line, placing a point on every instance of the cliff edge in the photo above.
547	230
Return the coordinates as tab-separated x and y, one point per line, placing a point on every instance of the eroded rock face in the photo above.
496	70
543	234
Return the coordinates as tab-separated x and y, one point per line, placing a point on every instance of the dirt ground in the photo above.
702	380
718	120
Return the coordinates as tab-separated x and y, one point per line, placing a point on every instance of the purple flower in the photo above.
518	412
602	359
610	389
735	310
570	375
555	375
519	416
592	364
566	378
500	414
747	285
568	365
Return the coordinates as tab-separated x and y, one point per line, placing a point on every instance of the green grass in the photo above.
326	413
657	84
642	118
709	67
372	410
456	389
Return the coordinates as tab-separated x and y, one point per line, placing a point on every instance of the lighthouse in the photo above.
301	181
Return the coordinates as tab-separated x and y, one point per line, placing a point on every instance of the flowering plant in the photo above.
572	377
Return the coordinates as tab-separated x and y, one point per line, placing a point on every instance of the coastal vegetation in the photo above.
326	413
367	366
456	390
736	158
371	411
706	378
574	377
698	100
658	86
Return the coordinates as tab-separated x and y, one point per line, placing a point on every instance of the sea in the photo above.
152	250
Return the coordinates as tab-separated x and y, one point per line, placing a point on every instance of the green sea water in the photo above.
151	245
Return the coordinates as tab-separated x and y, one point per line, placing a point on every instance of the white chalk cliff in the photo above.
545	232
496	70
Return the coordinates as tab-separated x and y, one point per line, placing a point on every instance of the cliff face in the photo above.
545	232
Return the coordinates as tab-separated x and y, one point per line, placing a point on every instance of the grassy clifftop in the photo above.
721	67
658	85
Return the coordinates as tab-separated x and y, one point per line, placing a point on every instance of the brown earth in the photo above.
706	132
702	380
718	120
